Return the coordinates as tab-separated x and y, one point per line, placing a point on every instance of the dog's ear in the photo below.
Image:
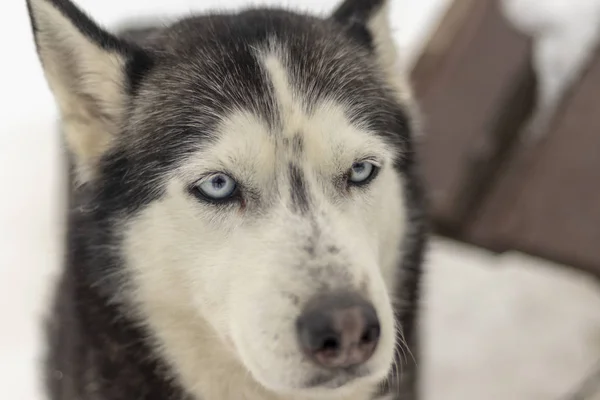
90	72
368	21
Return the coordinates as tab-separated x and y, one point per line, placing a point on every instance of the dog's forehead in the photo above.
299	128
221	58
284	69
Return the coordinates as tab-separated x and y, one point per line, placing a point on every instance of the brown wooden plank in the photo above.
439	42
463	96
547	202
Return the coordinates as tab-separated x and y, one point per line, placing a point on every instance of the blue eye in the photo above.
362	172
217	187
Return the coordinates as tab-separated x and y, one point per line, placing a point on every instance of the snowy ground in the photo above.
508	327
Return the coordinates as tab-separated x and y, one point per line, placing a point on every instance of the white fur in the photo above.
379	26
86	82
218	286
387	54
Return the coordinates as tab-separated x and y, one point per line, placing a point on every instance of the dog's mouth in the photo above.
336	380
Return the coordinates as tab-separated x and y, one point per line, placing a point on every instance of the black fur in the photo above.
354	15
299	193
97	350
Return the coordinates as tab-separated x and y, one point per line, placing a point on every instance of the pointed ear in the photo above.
368	20
90	72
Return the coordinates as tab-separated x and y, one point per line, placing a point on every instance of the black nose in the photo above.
338	330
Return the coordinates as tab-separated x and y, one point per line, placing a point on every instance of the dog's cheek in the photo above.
264	306
219	271
390	217
266	343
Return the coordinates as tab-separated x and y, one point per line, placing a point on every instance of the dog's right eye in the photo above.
216	187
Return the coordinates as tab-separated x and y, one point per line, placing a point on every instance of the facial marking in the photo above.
298	189
295	145
290	108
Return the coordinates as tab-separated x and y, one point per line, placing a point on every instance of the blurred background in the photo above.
509	92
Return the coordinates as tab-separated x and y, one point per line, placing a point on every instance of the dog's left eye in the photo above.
362	172
217	187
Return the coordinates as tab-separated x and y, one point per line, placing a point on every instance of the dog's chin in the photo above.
342	383
314	382
334	385
338	381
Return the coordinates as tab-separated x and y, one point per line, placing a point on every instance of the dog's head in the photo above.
250	172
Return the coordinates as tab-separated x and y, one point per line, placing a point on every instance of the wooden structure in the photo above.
476	88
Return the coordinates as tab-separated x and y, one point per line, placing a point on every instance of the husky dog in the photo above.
246	217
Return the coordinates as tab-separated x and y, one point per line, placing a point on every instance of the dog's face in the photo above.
250	169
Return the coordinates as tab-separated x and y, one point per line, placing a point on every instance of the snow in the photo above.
508	327
566	33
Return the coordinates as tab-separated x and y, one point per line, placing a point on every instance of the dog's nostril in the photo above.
338	330
330	344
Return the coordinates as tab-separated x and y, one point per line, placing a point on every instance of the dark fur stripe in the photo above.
298	189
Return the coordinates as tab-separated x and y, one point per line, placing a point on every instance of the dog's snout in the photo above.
338	330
